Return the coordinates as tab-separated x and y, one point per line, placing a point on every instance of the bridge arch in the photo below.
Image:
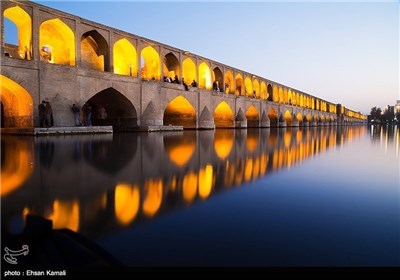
239	84
23	23
204	76
171	66
256	88
253	117
287	116
180	112
94	51
229	82
119	111
248	87
280	94
299	117
218	78
223	115
275	94
125	61
17	104
270	93
263	90
150	64
57	42
273	117
189	72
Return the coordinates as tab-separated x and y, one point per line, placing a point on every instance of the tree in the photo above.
388	116
376	113
397	115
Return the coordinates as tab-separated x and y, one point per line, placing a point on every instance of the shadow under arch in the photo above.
17	104
119	111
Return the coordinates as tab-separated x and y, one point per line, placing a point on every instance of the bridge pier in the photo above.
295	122
240	120
265	122
206	120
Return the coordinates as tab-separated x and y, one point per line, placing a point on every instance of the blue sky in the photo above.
343	52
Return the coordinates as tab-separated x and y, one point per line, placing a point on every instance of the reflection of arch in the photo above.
273	117
171	66
65	214
205	181
125	62
23	22
189	186
204	76
239	84
218	78
189	70
17	102
263	90
229	82
269	91
223	142
60	39
119	110
252	116
248	86
223	115
17	155
153	190
126	201
180	112
180	149
256	88
252	140
150	64
94	51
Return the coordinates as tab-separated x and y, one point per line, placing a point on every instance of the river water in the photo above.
267	197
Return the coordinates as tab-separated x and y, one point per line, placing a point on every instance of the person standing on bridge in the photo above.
77	114
49	114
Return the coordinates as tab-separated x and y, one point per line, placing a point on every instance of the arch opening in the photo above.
180	112
171	67
273	117
287	116
252	116
150	64
263	90
125	61
57	42
270	94
218	80
110	107
223	116
204	76
94	51
189	71
248	87
239	84
256	88
229	82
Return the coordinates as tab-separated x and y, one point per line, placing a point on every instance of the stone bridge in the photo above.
66	59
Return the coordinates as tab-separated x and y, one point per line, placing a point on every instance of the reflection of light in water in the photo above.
396	137
239	172
263	164
17	166
252	142
127	199
256	168
153	197
189	186
181	153
248	171
299	135
223	143
65	214
287	138
205	181
229	174
104	201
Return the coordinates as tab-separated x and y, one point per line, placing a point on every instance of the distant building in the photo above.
397	106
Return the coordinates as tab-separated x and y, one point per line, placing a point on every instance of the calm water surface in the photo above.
312	196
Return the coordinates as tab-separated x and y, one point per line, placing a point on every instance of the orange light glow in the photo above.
126	201
125	62
189	186
288	118
252	114
204	76
223	115
249	87
223	143
239	84
189	71
153	190
248	170
256	87
205	181
263	91
92	54
229	82
180	153
252	142
65	215
150	64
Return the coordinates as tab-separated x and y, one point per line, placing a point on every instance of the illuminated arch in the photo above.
180	112
281	98
256	88
23	22
218	78
125	61
94	51
239	84
189	71
223	142
153	194
17	102
150	64
299	117
248	86
223	115
60	41
204	76
285	96
253	117
275	94
229	82
270	92
288	118
263	90
171	66
273	117
289	96
17	157
179	150
127	202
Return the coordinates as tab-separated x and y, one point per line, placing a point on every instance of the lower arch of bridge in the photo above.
299	117
119	110
180	112
253	117
273	117
16	103
223	115
288	118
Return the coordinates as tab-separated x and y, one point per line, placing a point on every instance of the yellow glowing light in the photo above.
263	164
229	82
280	93
24	24
249	87
189	71
150	64
180	153
285	96
205	181
263	90
204	76
125	62
91	56
275	94
65	214
287	139
256	87
18	111
16	168
126	201
189	186
60	37
288	118
239	84
153	190
252	114
223	115
223	143
248	172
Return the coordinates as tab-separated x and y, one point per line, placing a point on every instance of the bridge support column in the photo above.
295	122
305	123
313	123
206	120
265	122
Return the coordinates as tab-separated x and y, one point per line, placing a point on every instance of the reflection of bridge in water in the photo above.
95	184
69	60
